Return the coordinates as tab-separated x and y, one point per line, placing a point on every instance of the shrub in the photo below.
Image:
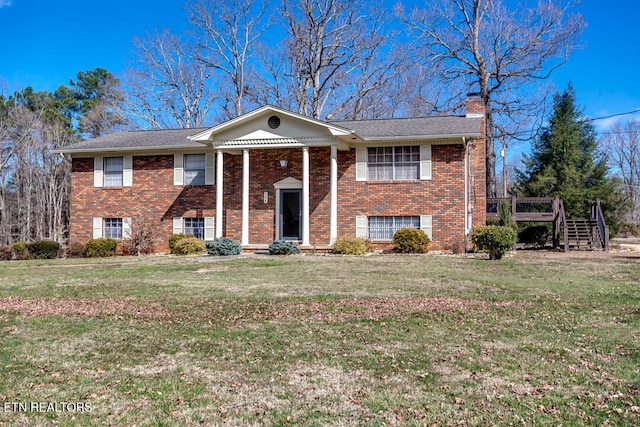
504	211
283	247
535	235
20	249
411	241
174	239
142	237
189	246
493	220
223	246
76	250
350	246
98	248
493	239
629	229
6	254
43	249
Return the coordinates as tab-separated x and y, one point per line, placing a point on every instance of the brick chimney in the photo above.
474	105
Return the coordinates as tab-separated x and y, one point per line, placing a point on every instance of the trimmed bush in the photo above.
99	248
535	236
350	246
43	249
76	250
189	246
493	239
20	249
223	246
283	247
174	239
6	253
411	241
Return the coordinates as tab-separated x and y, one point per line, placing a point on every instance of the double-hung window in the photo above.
194	169
194	226
384	227
112	228
393	163
113	171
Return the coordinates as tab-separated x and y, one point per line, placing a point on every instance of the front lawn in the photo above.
535	339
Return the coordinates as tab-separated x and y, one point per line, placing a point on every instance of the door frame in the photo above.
283	192
289	183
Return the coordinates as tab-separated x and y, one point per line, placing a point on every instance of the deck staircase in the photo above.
583	234
569	234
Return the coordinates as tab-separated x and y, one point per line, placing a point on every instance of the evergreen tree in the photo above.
565	161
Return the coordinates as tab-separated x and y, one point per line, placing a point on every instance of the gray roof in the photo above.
140	139
420	127
437	126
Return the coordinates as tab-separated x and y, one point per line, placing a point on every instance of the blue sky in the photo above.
46	42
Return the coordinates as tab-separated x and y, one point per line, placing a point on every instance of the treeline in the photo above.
329	59
34	183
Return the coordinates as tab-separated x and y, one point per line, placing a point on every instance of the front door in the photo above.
290	213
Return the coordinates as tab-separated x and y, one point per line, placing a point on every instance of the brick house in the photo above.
273	174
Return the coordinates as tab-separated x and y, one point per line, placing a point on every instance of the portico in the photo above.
272	129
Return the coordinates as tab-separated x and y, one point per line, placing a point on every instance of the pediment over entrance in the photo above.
288	183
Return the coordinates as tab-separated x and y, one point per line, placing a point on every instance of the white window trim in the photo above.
209	171
127	171
362	225
425	173
98	228
209	226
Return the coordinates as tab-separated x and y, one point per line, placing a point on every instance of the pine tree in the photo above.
565	161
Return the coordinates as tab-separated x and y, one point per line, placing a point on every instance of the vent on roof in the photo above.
274	122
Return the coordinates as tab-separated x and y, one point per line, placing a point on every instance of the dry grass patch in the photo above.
83	307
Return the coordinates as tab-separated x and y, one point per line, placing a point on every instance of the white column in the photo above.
333	214
245	197
219	192
305	196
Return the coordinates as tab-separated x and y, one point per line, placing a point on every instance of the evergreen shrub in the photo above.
20	249
351	246
223	246
283	247
189	246
174	239
411	241
43	249
535	236
102	247
496	240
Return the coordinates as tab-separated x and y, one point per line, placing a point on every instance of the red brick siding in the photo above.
153	195
442	196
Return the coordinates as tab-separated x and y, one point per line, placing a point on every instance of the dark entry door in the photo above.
290	209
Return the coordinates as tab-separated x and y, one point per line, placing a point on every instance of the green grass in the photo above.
535	339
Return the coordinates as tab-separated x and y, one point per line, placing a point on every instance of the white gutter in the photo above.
123	149
423	137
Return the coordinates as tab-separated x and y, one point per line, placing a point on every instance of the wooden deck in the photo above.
532	209
592	232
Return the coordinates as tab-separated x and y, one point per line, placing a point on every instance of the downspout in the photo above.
466	189
469	193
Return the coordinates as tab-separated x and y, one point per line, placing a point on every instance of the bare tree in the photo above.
226	34
339	56
494	50
623	147
168	86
